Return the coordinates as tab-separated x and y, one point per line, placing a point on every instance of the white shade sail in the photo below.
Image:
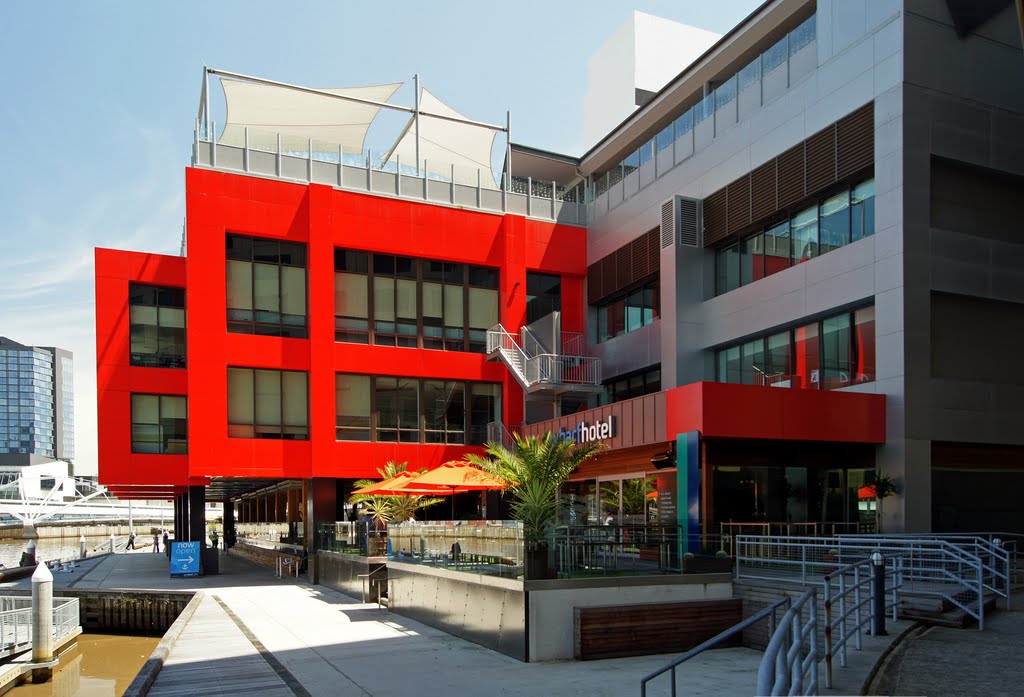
445	143
267	110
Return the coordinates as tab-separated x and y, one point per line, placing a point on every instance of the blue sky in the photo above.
99	100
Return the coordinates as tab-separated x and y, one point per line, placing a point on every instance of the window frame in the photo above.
258	431
280	328
162	360
161	440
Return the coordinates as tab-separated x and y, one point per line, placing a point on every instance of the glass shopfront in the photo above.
628	499
780	495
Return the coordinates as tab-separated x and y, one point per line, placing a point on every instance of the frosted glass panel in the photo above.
239	285
350	295
145	409
295	400
266	294
483	308
268	397
293	290
240	395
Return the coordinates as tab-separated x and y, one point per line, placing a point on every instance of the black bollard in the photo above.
877	594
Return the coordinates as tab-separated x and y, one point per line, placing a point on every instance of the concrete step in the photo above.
944	614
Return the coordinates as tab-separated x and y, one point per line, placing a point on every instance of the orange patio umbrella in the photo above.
456	477
382	487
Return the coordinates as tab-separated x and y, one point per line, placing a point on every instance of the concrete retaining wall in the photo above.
341	572
757	596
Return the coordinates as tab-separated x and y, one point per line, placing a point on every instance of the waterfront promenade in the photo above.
253	633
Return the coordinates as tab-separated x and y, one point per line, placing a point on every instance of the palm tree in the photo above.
387	509
535	467
883	487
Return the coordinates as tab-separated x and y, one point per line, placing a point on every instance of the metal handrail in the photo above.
768	612
785	664
531	367
365	579
928	563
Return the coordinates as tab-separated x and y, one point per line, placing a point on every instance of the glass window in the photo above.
805	235
398	417
752	370
485	407
835	351
444	411
835	222
778	361
638	308
543	295
352	406
157	326
752	259
776	248
268	404
634	310
159	424
864	341
266	286
728	261
806	357
862	208
729	365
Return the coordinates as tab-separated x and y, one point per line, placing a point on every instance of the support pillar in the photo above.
229	525
197	514
321	503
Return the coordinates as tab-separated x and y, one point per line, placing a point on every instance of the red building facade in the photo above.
321	220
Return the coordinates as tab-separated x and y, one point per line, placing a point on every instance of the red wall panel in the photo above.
322	218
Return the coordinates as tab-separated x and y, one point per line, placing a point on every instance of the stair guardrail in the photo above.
930	567
768	613
792	653
532	364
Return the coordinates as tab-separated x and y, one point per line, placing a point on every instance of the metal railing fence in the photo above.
930	567
634	550
531	368
849	606
998	557
792	653
16	621
360	538
768	613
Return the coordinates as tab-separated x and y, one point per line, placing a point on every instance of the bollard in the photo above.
28	557
81	547
112	543
877	594
42	622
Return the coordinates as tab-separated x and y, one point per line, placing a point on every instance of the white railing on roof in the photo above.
319	162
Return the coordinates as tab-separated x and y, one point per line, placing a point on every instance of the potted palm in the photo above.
535	468
883	487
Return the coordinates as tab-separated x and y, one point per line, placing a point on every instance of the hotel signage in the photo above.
587	433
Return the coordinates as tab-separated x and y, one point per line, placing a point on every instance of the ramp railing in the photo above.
930	567
790	663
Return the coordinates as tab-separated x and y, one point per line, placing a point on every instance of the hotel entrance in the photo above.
766	487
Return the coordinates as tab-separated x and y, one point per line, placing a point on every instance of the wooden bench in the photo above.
612	631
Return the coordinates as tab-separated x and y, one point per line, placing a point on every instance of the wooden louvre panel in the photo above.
855	140
821	160
595	281
716	216
791	176
628	264
739	204
762	191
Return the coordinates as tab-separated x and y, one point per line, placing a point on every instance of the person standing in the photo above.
131	540
156	542
167	546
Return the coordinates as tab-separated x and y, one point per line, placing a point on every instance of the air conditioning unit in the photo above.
682	222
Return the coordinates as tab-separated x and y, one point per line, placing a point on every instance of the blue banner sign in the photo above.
185	559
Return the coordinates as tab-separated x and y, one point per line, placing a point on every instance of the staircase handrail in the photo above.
785	662
768	612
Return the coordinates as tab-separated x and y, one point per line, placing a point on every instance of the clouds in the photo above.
46	269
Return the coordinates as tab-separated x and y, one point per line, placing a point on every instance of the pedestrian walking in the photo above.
156	542
131	541
167	546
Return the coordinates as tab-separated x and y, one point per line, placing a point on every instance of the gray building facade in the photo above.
852	168
36	404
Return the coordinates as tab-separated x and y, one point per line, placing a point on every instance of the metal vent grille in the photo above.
668	227
690	233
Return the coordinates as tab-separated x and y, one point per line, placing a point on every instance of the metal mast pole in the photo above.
206	105
416	116
508	151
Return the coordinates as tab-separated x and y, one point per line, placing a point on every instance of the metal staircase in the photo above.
540	371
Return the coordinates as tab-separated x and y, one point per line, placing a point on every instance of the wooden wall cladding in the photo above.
625	266
841	150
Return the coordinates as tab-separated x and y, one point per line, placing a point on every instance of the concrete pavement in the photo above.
257	634
963	662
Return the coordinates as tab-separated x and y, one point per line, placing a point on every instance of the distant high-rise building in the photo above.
37	404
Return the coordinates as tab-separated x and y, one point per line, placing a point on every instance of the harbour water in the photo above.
101	665
49	548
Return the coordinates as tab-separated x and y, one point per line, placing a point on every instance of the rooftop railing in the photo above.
315	161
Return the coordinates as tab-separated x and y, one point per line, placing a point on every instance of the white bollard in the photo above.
30	551
81	547
112	543
42	622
